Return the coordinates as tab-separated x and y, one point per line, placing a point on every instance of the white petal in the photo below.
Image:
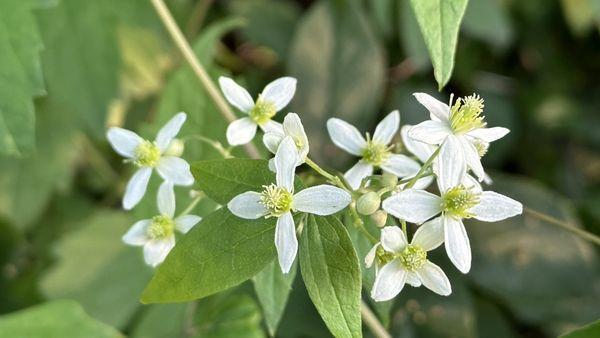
430	235
184	223
413	279
136	188
457	243
450	164
169	131
412	205
292	126
321	200
236	94
280	92
123	141
393	239
387	128
494	207
247	205
370	257
175	170
286	159
241	131
401	165
436	108
430	132
389	281
156	251
137	234
434	279
421	150
355	175
286	242
165	199
489	134
471	182
472	157
272	140
487	179
423	182
272	165
346	136
272	127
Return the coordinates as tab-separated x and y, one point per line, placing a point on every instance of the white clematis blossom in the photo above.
460	128
374	152
157	235
403	263
149	155
292	127
273	98
278	200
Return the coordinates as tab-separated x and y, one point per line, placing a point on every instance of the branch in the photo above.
372	322
565	225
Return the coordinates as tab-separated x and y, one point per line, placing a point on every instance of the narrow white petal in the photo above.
123	141
346	136
355	175
286	242
169	131
175	170
413	279
423	182
434	279
137	234
457	243
156	251
430	132
370	257
450	164
412	205
136	188
292	126
286	159
272	165
321	200
272	127
184	223
165	199
421	150
387	128
472	157
393	239
389	281
471	182
241	131
247	205
236	94
489	134
430	235
272	140
487	179
494	207
435	107
401	166
280	92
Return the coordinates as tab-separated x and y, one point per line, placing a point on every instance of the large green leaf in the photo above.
331	273
591	330
439	21
220	252
57	319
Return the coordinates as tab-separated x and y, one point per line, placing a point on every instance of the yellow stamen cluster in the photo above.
458	201
147	154
383	257
276	199
376	153
466	114
262	111
413	257
162	226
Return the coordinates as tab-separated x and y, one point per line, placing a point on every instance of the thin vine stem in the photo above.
425	166
372	322
193	204
563	224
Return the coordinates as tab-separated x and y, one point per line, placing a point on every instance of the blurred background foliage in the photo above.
110	62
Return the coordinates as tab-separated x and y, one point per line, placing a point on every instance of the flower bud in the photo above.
379	217
368	203
389	180
175	148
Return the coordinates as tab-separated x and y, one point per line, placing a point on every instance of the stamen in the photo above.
376	153
162	226
276	199
458	201
466	114
147	154
262	111
413	257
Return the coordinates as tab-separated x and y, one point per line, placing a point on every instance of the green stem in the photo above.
331	178
425	166
215	144
359	224
192	204
565	225
403	222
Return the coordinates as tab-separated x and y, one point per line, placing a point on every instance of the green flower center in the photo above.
481	147
376	153
413	257
466	114
458	201
162	226
383	257
262	111
147	154
276	199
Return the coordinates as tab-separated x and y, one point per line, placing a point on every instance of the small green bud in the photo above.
379	217
175	148
389	180
368	203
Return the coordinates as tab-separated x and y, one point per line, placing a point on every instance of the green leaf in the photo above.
591	330
220	252
54	320
162	320
229	315
439	21
331	273
488	20
272	289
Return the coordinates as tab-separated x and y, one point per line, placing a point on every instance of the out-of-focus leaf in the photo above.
340	70
439	21
579	15
382	13
56	319
491	322
487	20
228	316
589	331
411	37
162	320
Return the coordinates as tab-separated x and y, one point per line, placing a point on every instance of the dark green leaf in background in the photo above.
488	20
591	330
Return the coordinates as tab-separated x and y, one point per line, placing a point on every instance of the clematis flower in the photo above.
157	235
457	202
403	263
273	98
147	155
279	200
292	126
374	152
461	128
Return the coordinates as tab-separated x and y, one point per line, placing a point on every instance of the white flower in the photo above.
292	126
157	235
458	201
374	152
150	155
273	98
278	200
407	263
461	129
